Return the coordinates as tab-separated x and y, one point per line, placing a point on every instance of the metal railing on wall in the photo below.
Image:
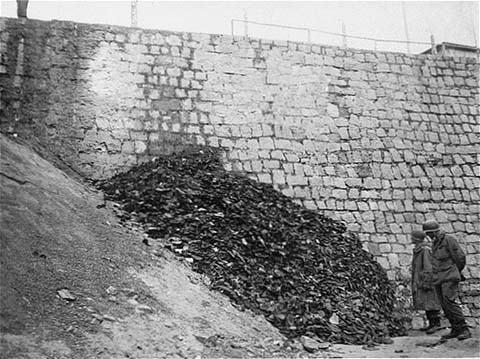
308	36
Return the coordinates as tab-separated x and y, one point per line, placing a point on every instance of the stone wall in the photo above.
381	141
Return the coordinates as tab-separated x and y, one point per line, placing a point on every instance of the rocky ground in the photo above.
75	283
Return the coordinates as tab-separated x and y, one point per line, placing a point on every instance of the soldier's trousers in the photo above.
433	316
447	292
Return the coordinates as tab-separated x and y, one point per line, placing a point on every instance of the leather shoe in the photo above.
433	329
453	334
464	334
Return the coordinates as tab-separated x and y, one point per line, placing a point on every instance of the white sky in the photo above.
451	21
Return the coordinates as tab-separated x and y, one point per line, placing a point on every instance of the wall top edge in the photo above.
64	24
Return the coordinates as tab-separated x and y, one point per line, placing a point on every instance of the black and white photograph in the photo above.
239	179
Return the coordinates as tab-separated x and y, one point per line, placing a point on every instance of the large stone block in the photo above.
293	180
393	259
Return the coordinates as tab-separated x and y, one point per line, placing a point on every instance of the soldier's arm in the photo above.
457	253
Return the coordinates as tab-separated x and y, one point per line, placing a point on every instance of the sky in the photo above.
447	21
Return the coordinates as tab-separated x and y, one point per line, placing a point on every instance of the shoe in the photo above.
387	340
453	334
464	334
433	329
424	329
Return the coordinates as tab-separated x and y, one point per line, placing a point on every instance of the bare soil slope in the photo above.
129	302
76	284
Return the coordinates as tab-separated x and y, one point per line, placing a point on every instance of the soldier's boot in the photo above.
464	333
434	326
453	334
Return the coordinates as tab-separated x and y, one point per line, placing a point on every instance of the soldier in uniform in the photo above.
448	261
423	292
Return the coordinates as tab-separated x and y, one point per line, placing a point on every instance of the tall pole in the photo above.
133	22
406	27
245	23
434	47
344	34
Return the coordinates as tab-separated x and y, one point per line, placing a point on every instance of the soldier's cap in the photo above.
431	226
418	234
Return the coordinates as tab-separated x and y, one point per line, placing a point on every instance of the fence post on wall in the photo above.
309	36
434	48
406	26
344	34
245	22
133	19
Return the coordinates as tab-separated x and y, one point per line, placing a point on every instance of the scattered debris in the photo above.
109	318
312	345
98	317
370	347
334	319
205	303
145	308
387	340
111	290
129	292
132	301
65	294
430	344
323	345
168	324
301	270
237	345
193	280
37	254
210	341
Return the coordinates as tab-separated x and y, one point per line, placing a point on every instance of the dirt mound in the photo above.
300	269
76	284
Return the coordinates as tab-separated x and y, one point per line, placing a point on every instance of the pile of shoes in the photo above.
303	271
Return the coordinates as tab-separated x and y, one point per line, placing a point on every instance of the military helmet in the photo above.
418	234
431	226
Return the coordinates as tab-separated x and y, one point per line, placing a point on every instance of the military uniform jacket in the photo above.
423	293
448	259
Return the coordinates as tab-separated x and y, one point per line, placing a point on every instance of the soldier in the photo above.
448	263
423	292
